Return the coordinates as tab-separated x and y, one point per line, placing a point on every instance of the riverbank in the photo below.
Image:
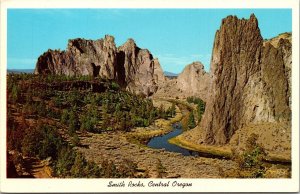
159	163
183	141
217	151
155	163
277	147
114	146
159	127
117	147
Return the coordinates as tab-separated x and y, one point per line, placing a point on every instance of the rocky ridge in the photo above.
250	80
192	81
132	67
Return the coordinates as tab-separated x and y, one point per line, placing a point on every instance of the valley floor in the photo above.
116	147
159	163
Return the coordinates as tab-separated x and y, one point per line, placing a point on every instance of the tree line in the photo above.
200	107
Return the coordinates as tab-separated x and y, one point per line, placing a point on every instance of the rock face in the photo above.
133	68
158	72
283	43
250	80
139	68
82	57
194	81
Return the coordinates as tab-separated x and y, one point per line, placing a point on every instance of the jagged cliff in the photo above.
192	81
132	67
250	80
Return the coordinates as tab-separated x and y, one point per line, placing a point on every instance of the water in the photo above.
161	142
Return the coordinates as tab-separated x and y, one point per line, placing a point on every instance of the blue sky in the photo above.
177	37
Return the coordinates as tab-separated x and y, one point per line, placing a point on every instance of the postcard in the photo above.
140	96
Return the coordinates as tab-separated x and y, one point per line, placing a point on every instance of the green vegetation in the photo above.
81	109
252	158
163	126
250	161
217	151
191	122
42	141
43	109
200	106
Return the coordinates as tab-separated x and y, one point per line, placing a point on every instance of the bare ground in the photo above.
119	146
116	147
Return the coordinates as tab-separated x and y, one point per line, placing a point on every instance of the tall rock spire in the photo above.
242	90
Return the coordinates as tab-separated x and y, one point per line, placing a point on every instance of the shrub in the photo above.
254	152
115	86
127	169
15	93
73	122
160	169
251	159
42	141
88	123
78	166
65	161
75	140
191	122
64	116
109	170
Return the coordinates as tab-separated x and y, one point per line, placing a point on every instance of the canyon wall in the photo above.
250	80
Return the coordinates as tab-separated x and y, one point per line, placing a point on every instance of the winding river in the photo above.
161	142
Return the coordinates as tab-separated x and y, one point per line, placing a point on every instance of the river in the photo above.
161	142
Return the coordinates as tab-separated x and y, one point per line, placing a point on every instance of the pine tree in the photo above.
173	110
191	123
78	166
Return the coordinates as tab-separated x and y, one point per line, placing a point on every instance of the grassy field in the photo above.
223	151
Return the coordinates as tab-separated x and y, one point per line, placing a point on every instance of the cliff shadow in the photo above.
96	69
120	68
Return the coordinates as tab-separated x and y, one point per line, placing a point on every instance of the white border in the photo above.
204	185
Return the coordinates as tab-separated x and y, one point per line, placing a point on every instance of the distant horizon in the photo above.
177	37
166	73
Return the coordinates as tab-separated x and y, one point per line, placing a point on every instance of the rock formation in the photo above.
139	68
250	80
82	57
158	72
283	43
194	81
133	68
